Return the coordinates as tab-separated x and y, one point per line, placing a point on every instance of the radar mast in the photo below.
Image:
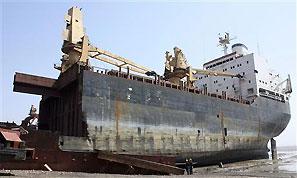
224	40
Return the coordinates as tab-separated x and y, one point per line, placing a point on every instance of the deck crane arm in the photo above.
215	73
191	78
116	60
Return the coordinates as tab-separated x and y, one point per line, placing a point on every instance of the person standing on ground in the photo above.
190	166
187	167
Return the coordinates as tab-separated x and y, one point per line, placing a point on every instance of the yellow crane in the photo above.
177	68
77	48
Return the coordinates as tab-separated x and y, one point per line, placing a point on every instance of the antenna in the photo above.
224	40
258	47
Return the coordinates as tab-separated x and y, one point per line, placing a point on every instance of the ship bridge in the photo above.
258	79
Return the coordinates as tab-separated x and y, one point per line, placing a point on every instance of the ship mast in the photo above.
224	41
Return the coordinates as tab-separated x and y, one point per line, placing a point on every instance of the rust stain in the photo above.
221	115
259	127
118	113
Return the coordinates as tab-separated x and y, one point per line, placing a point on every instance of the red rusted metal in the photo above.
48	152
31	84
10	135
34	80
141	163
63	114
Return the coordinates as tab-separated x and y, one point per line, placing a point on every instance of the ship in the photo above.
227	111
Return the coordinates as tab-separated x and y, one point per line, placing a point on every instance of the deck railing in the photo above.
158	81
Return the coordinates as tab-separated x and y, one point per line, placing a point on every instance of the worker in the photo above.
190	166
187	166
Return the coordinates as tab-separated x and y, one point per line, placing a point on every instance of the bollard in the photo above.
273	149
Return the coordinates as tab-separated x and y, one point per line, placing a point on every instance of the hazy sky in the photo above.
31	39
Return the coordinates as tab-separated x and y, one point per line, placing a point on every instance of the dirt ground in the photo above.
284	167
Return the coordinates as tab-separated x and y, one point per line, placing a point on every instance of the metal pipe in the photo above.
273	149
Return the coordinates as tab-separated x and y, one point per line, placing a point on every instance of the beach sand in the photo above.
284	167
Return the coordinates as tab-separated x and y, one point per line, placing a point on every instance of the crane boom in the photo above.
116	60
215	73
109	61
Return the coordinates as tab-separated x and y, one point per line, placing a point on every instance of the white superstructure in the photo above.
257	78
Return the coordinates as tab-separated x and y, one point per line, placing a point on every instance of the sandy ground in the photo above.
284	167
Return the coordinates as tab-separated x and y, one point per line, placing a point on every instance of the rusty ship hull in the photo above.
89	119
50	154
130	115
